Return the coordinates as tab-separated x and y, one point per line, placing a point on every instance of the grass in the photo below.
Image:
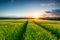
53	27
11	31
34	32
29	30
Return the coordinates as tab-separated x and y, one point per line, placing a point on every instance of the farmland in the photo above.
29	29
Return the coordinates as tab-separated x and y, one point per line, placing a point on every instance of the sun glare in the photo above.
36	16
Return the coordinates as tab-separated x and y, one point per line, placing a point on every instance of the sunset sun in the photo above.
36	15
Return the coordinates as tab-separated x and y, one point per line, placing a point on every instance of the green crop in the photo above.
32	29
52	26
34	32
11	31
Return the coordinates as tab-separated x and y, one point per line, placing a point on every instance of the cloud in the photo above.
48	15
50	4
52	13
55	12
11	15
41	13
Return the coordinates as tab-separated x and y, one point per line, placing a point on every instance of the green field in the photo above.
29	29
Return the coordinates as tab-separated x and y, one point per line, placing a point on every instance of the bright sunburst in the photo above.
36	16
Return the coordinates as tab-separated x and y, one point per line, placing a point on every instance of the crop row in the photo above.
34	32
12	31
53	28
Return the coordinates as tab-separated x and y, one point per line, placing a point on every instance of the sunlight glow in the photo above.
36	16
39	14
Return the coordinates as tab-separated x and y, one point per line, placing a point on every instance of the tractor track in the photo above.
48	30
23	31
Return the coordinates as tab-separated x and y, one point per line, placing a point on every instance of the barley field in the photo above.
29	29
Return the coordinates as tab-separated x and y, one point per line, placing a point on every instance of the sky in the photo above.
29	8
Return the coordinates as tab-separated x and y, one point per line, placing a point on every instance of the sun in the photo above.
36	16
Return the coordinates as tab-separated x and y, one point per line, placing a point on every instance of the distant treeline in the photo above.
47	18
51	18
16	18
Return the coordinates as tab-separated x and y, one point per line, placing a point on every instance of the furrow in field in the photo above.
46	28
12	31
34	32
23	31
